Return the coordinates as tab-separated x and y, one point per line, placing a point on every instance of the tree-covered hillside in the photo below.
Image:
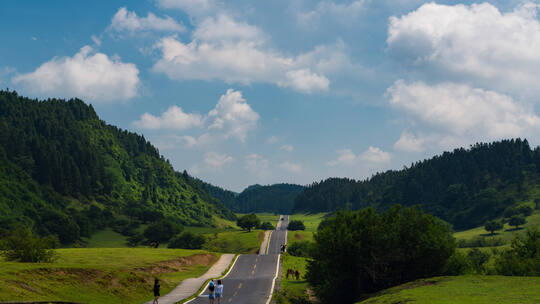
277	198
61	166
465	187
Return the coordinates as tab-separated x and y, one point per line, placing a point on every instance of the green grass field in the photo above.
99	275
462	290
311	221
507	234
106	239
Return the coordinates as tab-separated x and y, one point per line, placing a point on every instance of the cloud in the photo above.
88	75
173	119
96	40
375	155
192	7
272	139
372	155
410	143
215	160
477	44
231	117
291	167
235	52
457	114
125	20
256	164
287	148
325	10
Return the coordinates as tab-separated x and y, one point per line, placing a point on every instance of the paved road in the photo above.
251	279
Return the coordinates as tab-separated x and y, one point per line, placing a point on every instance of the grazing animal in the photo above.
154	244
297	274
290	272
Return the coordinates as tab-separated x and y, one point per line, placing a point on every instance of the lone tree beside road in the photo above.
248	221
493	226
296	225
517	220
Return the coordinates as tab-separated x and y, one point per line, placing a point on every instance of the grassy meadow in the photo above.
463	289
101	275
311	221
507	234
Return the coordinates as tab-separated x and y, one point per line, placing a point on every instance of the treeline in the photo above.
64	171
465	187
277	198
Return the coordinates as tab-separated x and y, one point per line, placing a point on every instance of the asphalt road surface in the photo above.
251	279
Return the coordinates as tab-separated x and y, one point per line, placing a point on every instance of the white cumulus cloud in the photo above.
125	20
216	160
410	143
173	119
88	75
372	155
375	155
287	148
192	7
291	167
456	114
344	13
236	52
474	43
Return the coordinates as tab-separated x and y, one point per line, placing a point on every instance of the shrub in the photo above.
481	241
457	264
162	231
266	226
187	240
300	249
525	210
523	259
366	252
296	225
135	239
478	259
23	246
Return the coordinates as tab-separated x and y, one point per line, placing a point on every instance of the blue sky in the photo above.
244	92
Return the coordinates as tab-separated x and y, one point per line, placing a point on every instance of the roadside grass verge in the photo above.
102	275
237	241
292	290
463	289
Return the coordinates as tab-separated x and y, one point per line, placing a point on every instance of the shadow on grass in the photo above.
514	229
489	234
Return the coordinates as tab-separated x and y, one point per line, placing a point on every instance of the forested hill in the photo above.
62	168
278	198
465	187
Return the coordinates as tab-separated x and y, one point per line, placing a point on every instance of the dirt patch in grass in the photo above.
299	237
261	236
61	274
179	264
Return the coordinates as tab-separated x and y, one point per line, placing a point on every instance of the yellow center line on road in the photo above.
254	266
239	285
252	272
230	300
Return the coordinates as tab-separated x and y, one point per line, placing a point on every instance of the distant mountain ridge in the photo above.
465	187
278	198
61	166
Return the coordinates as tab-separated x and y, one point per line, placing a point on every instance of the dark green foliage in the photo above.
362	252
248	221
457	264
162	231
296	225
525	210
493	226
465	187
136	239
300	249
187	240
478	259
278	198
517	220
53	150
266	226
23	246
510	211
523	259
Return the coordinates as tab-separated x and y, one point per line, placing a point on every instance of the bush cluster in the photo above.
296	225
23	246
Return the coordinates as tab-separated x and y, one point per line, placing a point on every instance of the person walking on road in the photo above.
211	289
156	291
219	291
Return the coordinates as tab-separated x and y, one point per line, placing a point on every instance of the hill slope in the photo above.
465	187
62	168
278	198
